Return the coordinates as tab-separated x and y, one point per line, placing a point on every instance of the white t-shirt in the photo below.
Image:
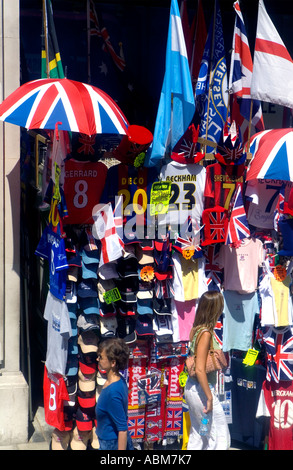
187	194
264	196
58	333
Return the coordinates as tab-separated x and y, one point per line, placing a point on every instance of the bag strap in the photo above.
198	338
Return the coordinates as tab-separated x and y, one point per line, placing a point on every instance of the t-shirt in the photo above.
279	353
187	195
111	410
221	182
276	402
135	185
238	320
241	265
83	186
189	280
52	248
264	197
58	334
55	393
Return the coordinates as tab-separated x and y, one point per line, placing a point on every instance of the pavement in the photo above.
40	437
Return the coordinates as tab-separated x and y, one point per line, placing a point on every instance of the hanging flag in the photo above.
176	106
238	225
240	77
212	85
198	31
96	29
279	209
104	229
51	64
272	64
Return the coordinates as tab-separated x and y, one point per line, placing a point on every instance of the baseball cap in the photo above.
162	306
72	273
87	288
87	362
70	292
127	267
108	270
145	255
144	325
71	365
87	399
84	422
126	329
107	310
89	305
80	439
60	439
145	306
108	327
89	270
88	341
87	322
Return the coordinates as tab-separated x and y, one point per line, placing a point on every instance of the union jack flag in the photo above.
212	270
215	222
279	353
238	225
96	30
279	210
218	331
186	150
174	417
241	74
136	425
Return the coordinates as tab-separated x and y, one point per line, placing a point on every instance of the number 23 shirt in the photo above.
187	193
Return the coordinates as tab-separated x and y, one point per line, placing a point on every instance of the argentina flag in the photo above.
176	106
212	85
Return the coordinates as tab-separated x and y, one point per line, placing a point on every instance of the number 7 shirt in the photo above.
83	185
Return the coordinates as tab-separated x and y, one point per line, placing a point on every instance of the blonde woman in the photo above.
199	391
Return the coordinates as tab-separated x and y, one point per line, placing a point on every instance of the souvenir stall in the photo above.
129	267
129	248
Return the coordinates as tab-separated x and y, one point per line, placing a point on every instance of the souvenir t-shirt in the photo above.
241	265
55	393
52	248
276	402
187	195
134	185
263	195
189	280
238	320
83	186
58	334
221	182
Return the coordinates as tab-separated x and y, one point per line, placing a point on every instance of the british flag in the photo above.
215	223
212	270
136	424
238	226
279	210
241	74
174	417
96	30
218	331
279	353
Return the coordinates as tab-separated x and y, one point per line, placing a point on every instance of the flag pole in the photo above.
88	42
210	78
45	23
248	154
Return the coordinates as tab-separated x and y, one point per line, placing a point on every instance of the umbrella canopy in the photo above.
76	106
272	155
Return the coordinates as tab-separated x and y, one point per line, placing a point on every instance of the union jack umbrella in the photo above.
75	106
271	155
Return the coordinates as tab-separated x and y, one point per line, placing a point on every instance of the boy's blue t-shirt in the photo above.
111	410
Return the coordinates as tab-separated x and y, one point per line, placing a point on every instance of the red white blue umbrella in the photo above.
272	155
76	106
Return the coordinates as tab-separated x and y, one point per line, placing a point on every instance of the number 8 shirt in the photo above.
276	402
83	186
